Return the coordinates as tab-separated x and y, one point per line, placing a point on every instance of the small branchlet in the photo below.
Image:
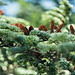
43	27
51	27
71	29
38	55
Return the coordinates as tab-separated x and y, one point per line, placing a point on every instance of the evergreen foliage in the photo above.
58	15
13	20
7	26
47	52
40	49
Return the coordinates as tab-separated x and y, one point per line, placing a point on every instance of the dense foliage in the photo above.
13	20
43	50
37	51
59	15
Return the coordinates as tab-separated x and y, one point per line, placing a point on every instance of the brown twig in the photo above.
35	53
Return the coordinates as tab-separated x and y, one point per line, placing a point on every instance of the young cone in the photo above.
22	27
51	27
71	29
43	27
31	28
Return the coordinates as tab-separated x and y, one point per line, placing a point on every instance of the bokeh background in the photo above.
31	10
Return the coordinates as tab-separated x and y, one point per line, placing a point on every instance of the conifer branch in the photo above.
13	20
42	34
11	27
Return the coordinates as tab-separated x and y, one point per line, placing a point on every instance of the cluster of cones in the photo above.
52	27
22	27
43	27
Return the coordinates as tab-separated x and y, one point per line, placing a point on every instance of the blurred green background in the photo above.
31	10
